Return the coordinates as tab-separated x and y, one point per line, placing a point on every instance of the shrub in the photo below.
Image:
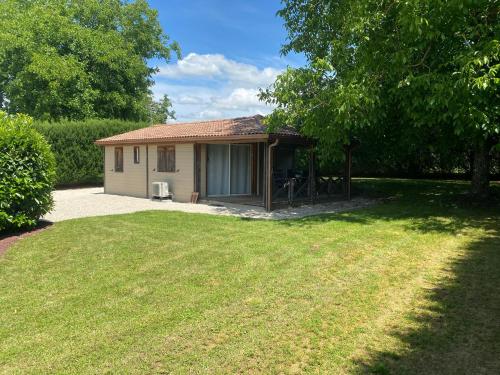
27	173
79	161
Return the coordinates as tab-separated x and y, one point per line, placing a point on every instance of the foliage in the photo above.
411	284
79	59
390	150
27	173
79	160
431	67
161	111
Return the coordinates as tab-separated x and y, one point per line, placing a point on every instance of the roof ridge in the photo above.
256	116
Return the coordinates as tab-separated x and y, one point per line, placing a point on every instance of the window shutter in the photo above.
118	159
171	159
166	158
161	159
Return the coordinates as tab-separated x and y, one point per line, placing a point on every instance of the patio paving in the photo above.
86	202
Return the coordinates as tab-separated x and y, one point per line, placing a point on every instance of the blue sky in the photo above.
230	49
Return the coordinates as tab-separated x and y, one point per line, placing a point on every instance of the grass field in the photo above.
408	286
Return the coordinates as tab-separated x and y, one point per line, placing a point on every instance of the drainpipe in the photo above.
147	171
270	174
105	171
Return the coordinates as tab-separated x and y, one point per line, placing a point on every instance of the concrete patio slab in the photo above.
87	202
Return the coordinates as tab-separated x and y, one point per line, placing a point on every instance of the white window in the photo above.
137	155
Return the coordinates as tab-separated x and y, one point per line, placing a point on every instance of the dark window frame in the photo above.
165	158
137	156
118	159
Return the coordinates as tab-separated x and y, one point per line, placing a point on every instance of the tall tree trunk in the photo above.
481	170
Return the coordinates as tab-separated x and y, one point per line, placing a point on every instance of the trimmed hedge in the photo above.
79	161
27	173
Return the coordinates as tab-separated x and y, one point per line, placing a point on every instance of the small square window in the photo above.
137	155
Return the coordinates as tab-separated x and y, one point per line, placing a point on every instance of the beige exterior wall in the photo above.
132	181
180	182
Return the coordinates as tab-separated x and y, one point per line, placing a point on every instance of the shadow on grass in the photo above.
458	329
424	206
42	224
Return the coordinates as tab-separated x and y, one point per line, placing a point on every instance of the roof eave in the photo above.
239	138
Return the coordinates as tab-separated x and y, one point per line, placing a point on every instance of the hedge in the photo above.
27	173
79	161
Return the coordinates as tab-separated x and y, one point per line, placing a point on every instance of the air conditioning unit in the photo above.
160	190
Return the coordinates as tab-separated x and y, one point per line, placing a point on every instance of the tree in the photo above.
161	111
27	173
430	65
79	59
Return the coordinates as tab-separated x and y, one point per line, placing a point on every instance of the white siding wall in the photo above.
181	182
132	181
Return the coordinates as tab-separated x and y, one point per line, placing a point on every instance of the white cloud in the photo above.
216	66
212	86
191	99
239	98
210	114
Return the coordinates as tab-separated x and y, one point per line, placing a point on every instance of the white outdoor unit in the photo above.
160	190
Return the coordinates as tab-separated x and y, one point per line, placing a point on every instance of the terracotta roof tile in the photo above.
242	127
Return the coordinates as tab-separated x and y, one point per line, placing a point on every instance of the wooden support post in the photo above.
312	175
197	167
348	166
269	173
264	175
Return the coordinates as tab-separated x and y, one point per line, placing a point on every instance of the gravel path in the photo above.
76	203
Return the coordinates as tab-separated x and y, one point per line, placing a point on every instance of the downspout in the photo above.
147	171
104	174
270	174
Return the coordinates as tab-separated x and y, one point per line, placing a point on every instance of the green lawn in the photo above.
408	286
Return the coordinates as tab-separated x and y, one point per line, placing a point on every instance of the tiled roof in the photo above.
236	128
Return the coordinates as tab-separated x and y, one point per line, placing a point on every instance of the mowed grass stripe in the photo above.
173	292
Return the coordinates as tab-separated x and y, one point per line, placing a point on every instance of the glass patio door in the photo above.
240	169
217	170
228	170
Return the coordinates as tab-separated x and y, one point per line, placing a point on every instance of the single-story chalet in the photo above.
222	160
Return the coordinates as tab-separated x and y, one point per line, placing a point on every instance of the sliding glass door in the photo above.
240	169
217	170
228	170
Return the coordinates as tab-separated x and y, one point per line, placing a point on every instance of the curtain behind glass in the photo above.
240	169
218	170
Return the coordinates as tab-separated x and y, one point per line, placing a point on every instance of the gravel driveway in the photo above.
76	203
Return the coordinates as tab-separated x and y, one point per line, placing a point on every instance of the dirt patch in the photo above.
8	240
